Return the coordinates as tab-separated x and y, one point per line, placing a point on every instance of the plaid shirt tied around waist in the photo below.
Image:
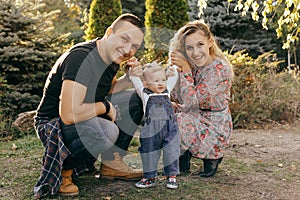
50	133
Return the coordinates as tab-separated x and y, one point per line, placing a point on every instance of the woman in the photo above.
202	96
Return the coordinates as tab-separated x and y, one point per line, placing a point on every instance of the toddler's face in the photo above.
156	81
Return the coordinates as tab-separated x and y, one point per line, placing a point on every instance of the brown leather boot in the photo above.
68	188
117	169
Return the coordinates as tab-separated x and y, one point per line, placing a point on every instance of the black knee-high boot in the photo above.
210	167
185	162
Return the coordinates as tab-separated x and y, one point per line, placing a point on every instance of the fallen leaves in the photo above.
14	147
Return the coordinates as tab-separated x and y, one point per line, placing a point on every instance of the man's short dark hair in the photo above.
131	18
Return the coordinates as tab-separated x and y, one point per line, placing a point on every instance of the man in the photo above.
76	121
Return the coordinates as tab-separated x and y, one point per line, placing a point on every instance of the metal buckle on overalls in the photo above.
146	120
172	118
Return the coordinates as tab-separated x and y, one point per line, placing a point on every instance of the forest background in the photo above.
34	33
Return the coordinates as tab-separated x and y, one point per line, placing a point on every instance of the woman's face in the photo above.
197	49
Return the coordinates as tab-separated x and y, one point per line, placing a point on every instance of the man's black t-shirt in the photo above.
82	64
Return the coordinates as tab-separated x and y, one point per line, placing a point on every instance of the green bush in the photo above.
102	14
162	19
7	131
29	46
15	103
260	94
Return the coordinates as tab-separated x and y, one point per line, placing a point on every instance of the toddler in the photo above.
159	131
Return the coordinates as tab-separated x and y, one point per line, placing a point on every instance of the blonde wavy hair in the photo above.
177	43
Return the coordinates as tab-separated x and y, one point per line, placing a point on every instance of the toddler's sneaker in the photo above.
145	183
171	184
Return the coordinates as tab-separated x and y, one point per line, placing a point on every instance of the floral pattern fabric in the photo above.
205	123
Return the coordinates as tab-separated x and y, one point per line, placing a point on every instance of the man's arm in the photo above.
124	82
120	84
73	110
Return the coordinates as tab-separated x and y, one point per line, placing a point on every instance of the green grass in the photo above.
19	168
235	179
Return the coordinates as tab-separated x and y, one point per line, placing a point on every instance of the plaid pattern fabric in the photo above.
49	132
55	153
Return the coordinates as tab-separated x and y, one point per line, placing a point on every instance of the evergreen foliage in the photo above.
68	20
136	7
28	48
162	19
102	14
83	4
193	9
237	33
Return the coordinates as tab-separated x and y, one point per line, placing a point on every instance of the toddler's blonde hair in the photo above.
151	68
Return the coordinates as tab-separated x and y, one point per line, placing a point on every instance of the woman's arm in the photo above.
211	92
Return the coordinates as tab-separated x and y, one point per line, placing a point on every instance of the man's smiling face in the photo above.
123	42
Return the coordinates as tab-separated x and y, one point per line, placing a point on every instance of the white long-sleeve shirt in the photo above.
139	87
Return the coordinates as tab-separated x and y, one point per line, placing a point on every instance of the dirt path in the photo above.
272	160
258	164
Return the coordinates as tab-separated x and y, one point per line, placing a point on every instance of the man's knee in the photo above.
112	132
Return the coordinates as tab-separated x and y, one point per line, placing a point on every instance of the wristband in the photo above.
107	106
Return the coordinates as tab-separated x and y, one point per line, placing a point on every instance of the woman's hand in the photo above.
178	107
178	59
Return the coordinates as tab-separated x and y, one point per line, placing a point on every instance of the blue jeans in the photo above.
96	136
88	139
160	134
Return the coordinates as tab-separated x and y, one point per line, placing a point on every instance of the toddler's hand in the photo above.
136	71
132	63
171	71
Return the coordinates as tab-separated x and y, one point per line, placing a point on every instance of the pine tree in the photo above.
162	19
28	48
236	33
193	9
67	20
102	14
130	6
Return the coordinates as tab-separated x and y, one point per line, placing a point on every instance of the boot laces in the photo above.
67	180
120	160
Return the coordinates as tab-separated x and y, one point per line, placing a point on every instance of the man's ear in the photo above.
108	31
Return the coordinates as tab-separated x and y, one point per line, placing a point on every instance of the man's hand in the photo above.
132	62
112	112
134	67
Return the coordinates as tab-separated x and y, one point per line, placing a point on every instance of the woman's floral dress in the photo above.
205	123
